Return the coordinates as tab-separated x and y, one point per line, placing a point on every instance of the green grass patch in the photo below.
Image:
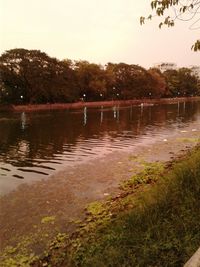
48	219
150	173
162	228
95	208
18	256
22	254
188	140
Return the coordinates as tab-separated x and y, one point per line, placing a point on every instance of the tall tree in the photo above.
31	76
188	83
172	79
182	82
159	87
91	79
129	81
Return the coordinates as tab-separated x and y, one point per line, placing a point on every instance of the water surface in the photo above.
36	145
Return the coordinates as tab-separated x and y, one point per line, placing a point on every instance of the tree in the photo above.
188	83
182	82
31	76
172	79
159	83
91	80
185	10
129	81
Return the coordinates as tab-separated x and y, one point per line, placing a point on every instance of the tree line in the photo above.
32	77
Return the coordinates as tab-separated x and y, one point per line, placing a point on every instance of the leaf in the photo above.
167	20
154	4
142	19
184	9
196	46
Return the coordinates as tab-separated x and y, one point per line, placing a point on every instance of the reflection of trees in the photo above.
43	135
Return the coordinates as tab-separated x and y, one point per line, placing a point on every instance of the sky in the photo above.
99	31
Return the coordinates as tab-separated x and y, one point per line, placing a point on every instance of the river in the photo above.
36	145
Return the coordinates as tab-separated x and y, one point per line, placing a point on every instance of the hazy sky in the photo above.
95	30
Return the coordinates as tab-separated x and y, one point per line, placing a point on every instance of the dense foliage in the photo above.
31	76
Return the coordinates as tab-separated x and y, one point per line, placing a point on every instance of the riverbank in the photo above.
154	222
79	105
34	214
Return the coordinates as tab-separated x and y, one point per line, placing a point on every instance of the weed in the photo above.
150	173
188	140
48	219
161	230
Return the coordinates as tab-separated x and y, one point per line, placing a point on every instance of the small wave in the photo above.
44	167
5	169
18	176
34	171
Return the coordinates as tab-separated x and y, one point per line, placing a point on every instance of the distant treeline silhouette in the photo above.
31	76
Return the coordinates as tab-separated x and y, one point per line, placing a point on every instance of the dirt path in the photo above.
41	210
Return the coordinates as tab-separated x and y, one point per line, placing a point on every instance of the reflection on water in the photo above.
23	120
34	145
84	116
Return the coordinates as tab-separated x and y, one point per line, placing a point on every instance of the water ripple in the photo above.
49	142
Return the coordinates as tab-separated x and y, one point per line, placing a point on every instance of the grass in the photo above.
161	230
149	174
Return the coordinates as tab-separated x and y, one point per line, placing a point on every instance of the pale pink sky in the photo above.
95	30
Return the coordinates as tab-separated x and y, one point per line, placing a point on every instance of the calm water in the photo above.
35	145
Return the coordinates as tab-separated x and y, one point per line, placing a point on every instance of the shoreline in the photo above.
78	105
57	205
